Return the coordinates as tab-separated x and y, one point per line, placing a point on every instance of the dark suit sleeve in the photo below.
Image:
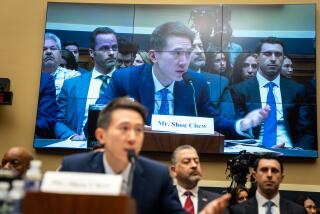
62	131
47	107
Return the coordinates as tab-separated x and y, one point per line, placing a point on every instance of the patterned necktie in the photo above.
270	124
188	206
104	84
164	107
269	205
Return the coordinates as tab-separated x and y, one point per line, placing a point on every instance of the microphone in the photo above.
132	157
186	76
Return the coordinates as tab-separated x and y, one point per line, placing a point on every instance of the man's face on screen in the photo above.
187	169
198	59
268	177
171	62
51	56
105	52
270	60
125	132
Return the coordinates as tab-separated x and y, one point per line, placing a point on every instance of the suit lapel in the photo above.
96	165
146	90
183	101
138	182
82	88
202	200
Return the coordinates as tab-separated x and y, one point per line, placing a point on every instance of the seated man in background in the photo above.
219	93
73	47
268	173
51	59
17	158
126	53
160	88
286	67
287	125
186	169
120	129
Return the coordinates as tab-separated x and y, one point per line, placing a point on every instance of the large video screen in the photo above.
216	61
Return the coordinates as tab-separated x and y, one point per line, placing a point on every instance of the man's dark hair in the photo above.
126	47
67	43
104	118
269	40
160	34
268	156
97	31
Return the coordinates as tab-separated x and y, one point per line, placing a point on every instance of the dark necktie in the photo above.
104	84
269	205
270	124
164	107
188	206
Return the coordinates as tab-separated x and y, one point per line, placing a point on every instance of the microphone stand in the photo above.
132	159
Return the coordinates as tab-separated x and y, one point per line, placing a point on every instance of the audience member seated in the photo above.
268	172
218	63
47	107
239	194
74	48
68	61
246	67
308	203
51	60
222	42
142	57
219	93
160	88
186	169
120	129
287	125
79	93
17	158
286	68
126	54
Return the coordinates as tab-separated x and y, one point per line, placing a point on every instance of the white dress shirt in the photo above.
183	197
262	208
124	174
93	92
157	95
282	133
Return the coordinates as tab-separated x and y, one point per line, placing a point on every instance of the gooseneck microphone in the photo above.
186	76
132	157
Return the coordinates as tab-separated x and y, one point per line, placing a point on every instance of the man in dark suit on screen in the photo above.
160	88
268	173
120	129
287	124
186	169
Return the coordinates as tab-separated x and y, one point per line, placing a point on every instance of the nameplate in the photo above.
81	183
182	124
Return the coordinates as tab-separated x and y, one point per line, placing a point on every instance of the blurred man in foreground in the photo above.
17	158
120	129
186	169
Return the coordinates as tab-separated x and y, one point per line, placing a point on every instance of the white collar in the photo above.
182	190
96	73
262	200
109	170
158	86
263	81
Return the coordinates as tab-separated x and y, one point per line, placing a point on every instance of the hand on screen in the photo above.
254	118
217	206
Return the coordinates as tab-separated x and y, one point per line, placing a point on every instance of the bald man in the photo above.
17	158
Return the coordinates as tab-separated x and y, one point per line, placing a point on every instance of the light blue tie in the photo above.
104	85
164	107
270	124
269	205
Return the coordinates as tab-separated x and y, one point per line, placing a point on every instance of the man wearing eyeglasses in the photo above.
286	125
79	93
